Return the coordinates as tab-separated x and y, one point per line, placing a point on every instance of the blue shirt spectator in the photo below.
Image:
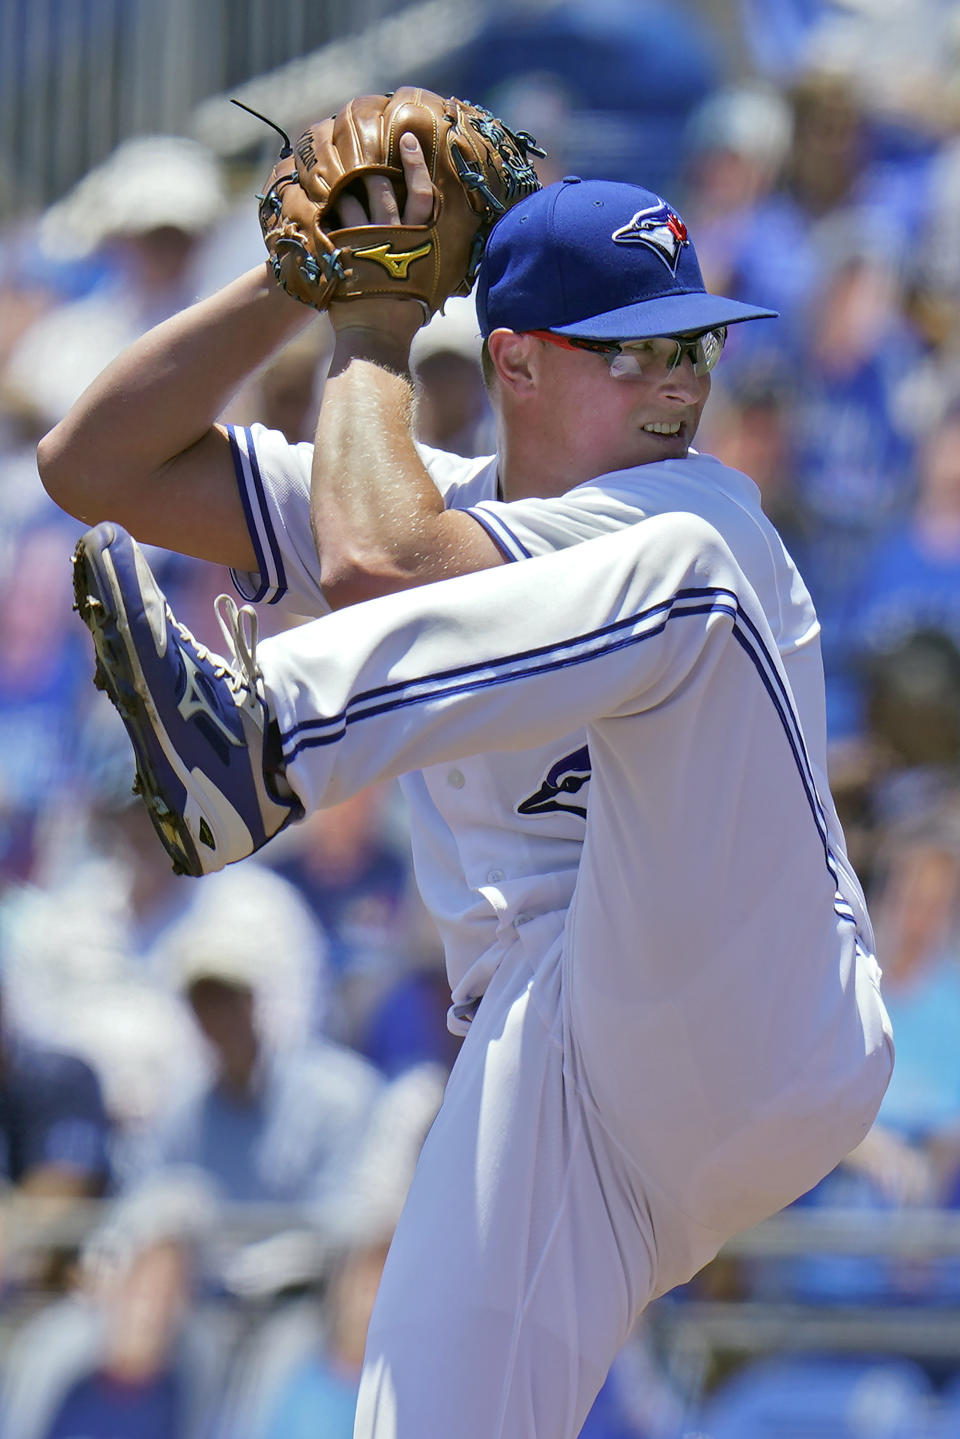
54	1131
272	1126
102	1407
316	1400
911	580
285	1136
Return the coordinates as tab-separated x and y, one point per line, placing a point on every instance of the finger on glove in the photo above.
382	206
419	206
382	201
348	214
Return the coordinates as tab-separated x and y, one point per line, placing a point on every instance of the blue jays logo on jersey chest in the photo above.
563	779
660	229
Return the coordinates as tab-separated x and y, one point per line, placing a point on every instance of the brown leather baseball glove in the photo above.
478	169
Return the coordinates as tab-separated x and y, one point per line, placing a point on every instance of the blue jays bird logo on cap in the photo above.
660	229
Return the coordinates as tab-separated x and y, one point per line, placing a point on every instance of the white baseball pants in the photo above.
692	1045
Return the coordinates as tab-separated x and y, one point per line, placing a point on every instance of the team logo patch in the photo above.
660	229
564	778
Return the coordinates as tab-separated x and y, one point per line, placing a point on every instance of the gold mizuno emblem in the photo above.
396	265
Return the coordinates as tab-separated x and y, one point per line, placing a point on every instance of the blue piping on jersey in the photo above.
501	534
258	521
401	693
783	703
603	641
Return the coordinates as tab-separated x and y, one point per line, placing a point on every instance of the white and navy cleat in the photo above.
198	723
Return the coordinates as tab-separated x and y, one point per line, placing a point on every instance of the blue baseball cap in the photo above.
599	259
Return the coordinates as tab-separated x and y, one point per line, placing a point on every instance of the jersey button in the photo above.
522	919
455	779
495	876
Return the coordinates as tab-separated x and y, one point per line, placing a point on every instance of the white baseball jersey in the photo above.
692	1041
497	838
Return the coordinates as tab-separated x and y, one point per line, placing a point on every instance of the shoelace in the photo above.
240	627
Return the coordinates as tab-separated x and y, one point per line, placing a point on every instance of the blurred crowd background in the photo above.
212	1093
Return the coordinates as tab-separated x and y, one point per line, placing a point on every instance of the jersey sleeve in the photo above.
529	527
273	479
461	482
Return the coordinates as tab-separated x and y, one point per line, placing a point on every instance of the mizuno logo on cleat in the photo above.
194	700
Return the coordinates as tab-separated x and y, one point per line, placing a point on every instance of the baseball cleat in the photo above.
198	723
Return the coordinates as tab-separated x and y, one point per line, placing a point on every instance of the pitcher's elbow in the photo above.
50	463
58	472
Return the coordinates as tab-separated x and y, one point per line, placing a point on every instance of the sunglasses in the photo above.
662	353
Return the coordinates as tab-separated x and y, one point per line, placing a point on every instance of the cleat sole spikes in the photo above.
196	723
109	676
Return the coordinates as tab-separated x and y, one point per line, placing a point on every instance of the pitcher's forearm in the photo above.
162	395
379	522
370	489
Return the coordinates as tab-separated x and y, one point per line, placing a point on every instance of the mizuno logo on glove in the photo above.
396	265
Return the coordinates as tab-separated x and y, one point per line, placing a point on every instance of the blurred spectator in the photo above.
917	918
908	1158
320	1396
905	54
776	253
826	155
80	964
127	1354
853	444
737	141
55	1151
912	710
749	428
911	587
633	71
932	280
453	412
143	212
54	1129
26	292
855	448
914	577
842	1396
285	394
354	872
273	1124
304	1373
407	1026
253	919
94	957
777	258
42	669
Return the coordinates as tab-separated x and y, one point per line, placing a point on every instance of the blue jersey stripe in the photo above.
259	524
783	700
253	530
463	678
494	524
591	637
607	639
